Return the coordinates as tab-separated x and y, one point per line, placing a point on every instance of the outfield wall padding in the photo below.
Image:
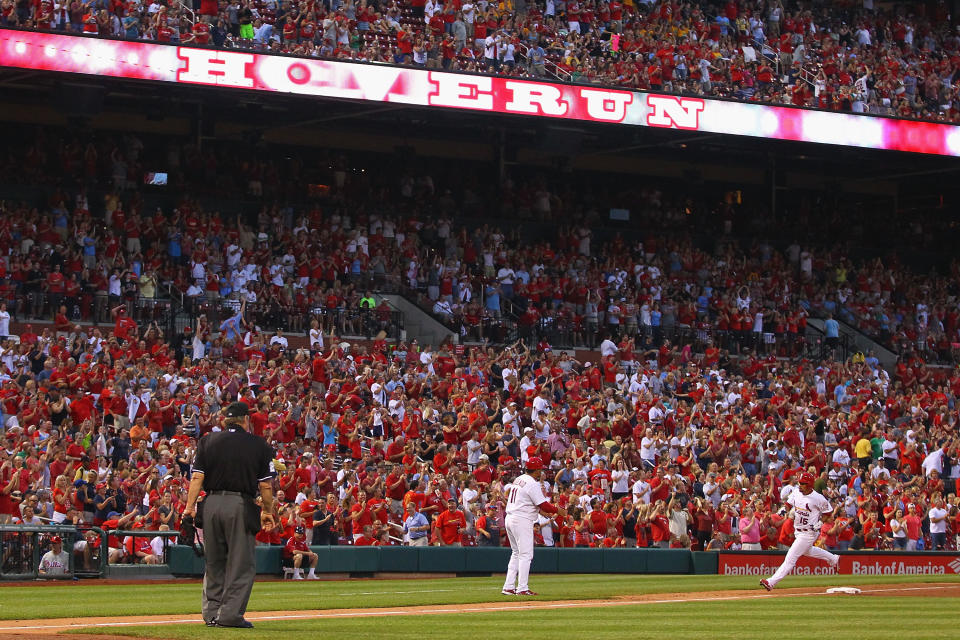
346	559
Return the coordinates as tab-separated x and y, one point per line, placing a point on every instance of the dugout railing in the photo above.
23	546
91	551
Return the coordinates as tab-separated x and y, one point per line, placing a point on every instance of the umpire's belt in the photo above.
230	493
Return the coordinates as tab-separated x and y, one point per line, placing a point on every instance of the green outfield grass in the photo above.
82	599
836	618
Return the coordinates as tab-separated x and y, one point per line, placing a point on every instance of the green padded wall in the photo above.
346	559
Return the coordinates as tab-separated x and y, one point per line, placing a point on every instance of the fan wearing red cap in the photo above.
525	501
808	507
56	561
296	551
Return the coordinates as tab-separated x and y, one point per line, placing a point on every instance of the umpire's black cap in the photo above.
236	410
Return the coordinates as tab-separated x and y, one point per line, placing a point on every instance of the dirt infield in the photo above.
50	629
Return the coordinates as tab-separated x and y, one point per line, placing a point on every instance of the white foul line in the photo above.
529	605
377	593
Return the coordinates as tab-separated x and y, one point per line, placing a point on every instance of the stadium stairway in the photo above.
418	324
859	341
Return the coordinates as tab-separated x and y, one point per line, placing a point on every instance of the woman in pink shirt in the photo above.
749	530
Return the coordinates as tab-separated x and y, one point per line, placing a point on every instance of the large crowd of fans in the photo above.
649	443
664	449
312	267
833	55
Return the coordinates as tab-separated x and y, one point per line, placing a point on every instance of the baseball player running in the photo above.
525	501
808	506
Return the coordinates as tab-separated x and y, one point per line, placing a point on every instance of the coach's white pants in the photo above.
520	533
802	546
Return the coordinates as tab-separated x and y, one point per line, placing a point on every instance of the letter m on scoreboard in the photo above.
671	112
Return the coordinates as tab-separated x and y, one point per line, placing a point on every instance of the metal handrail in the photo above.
188	12
556	71
762	51
140	533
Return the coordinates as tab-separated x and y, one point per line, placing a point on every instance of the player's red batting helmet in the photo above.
807	478
56	540
534	464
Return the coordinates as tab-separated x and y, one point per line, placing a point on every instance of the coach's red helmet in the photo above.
534	464
56	540
807	479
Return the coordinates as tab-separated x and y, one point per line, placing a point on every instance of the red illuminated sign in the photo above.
382	83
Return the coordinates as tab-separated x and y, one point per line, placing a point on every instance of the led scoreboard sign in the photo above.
402	85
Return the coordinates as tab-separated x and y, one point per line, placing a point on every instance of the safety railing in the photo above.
549	66
772	57
137	546
560	332
87	308
271	316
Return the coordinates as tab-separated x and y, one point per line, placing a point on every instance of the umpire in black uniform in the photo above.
231	466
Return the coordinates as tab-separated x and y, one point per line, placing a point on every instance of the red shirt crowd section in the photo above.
900	62
671	449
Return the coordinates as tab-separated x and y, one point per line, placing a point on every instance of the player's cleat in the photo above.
313	577
296	577
509	592
527	592
766	585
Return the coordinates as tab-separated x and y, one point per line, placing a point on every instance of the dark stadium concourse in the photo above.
204	113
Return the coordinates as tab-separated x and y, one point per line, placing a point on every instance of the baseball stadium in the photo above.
438	318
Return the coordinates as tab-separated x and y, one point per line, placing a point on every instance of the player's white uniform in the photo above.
55	564
807	510
524	496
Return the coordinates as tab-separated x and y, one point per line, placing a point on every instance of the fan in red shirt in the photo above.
296	550
201	35
451	524
366	539
659	526
360	515
125	327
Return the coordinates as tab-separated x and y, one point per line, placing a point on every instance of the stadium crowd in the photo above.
296	265
380	445
650	443
900	61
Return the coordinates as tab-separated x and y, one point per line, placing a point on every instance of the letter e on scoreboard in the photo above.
676	113
464	92
220	68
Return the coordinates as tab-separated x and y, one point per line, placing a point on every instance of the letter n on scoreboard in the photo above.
671	112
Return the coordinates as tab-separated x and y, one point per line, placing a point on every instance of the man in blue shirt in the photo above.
230	328
538	58
832	330
492	294
416	526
